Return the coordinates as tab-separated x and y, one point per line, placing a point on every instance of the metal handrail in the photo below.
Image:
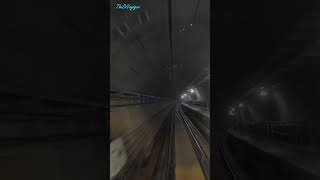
272	131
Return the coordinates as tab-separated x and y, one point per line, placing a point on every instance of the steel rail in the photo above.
203	158
141	148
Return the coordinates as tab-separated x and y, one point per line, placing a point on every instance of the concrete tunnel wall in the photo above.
287	98
204	91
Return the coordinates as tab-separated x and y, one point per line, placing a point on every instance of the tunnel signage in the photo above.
127	7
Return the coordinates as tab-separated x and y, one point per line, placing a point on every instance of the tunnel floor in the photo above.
168	146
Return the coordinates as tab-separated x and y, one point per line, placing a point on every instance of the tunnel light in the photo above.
263	93
182	97
191	24
240	105
191	90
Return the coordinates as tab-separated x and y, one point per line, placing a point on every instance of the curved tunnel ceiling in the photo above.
140	45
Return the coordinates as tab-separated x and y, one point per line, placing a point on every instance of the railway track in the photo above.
151	147
202	123
199	143
150	150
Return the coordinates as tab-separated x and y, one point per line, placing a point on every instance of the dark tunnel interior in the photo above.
174	90
160	90
266	92
53	96
158	44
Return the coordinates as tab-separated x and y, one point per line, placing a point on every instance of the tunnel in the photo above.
265	71
167	90
160	90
